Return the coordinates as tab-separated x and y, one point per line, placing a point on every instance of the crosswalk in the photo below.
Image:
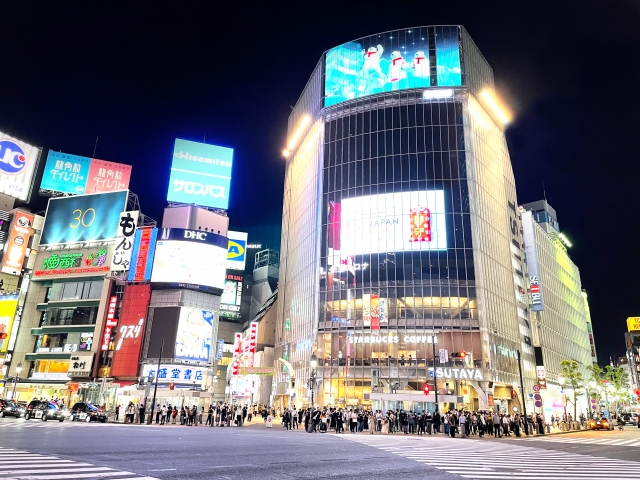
613	441
21	465
500	460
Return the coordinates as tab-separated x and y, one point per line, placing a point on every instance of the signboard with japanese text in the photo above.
19	235
178	374
110	323
76	262
220	349
268	371
18	164
144	247
253	341
633	324
124	241
131	330
8	283
83	218
200	174
542	376
80	365
231	299
237	351
77	175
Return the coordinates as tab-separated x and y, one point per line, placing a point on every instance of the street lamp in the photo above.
15	380
313	363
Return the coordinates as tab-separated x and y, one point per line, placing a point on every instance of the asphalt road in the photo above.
37	450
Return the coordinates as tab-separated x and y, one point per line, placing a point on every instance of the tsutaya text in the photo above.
457	373
391	339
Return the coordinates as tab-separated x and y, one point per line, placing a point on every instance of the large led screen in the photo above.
194	263
83	218
193	338
391	222
392	61
200	174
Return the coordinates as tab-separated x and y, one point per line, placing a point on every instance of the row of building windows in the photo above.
74	291
405	116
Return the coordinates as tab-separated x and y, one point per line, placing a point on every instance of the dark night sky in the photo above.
138	74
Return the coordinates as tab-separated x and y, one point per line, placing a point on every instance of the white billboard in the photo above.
193	338
393	222
18	163
237	255
189	262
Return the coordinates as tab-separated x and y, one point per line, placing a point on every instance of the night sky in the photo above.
139	74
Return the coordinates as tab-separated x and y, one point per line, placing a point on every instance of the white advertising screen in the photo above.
393	222
189	262
18	163
193	338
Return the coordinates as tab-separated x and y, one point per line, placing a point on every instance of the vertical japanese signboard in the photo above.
144	247
19	235
253	340
110	323
237	351
124	241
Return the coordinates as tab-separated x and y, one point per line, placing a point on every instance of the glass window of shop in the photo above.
64	342
397	258
69	316
51	367
74	291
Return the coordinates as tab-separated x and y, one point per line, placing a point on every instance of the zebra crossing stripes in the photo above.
621	442
22	465
475	459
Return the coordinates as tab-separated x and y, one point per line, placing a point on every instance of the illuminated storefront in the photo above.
400	225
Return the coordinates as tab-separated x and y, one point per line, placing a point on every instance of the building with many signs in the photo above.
402	255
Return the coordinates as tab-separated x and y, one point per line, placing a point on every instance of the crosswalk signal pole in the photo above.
524	403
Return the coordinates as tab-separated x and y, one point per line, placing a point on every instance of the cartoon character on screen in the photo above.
194	337
371	78
397	70
420	224
420	65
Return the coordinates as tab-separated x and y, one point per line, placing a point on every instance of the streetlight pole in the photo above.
434	339
313	363
155	388
524	403
16	380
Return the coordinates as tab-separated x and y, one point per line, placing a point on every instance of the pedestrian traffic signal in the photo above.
172	386
3	335
426	389
459	354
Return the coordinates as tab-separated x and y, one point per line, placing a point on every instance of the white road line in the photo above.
71	469
70	476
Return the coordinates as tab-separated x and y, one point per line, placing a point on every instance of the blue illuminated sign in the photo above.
83	218
65	173
200	174
392	61
220	349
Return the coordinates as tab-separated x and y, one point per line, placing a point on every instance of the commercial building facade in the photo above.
400	223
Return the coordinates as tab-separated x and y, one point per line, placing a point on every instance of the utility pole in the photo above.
524	403
155	388
435	376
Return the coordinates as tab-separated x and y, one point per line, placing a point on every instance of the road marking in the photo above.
499	460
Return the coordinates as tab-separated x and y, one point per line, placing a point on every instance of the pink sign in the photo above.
107	176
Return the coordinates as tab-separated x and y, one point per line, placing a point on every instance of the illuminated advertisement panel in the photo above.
253	341
8	306
130	333
144	247
77	262
78	175
83	218
392	61
236	256
231	299
193	338
111	322
237	351
18	163
391	222
19	235
200	174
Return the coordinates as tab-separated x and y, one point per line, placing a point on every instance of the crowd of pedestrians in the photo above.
452	423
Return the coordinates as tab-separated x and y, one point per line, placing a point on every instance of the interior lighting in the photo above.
293	141
437	93
493	104
565	240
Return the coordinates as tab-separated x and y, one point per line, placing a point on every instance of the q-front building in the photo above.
402	255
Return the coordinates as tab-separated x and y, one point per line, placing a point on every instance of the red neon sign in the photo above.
110	323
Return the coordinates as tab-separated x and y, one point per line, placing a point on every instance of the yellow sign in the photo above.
8	305
633	324
257	371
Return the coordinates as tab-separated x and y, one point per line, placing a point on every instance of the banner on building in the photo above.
124	241
16	250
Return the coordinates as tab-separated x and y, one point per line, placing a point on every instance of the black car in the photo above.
9	408
44	411
85	412
629	419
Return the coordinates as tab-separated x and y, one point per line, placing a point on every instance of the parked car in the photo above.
85	412
599	424
44	410
9	408
629	419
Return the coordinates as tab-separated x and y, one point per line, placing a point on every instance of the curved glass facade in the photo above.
398	229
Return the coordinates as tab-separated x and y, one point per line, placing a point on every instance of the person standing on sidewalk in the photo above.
294	418
496	425
463	424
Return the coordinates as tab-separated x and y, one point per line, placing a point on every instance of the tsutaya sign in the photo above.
458	373
391	339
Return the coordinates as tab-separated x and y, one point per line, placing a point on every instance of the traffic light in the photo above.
459	354
172	386
514	393
426	389
3	335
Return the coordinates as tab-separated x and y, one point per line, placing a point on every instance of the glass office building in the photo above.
401	226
